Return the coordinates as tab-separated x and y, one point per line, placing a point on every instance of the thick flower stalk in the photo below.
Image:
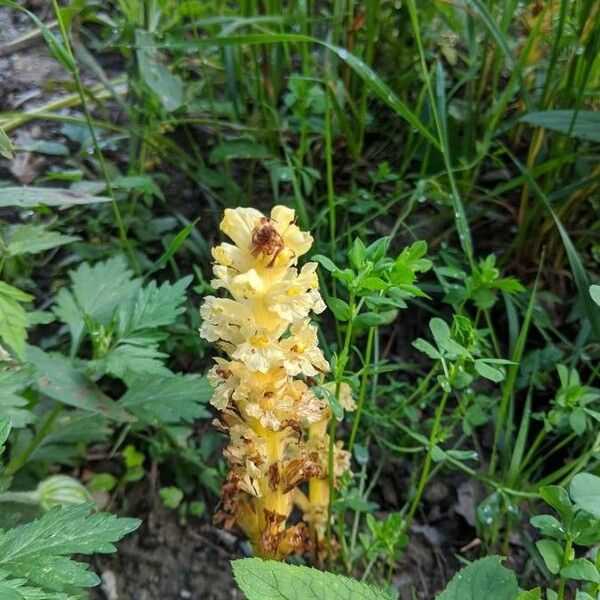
275	422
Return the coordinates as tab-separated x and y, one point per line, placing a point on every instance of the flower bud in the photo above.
61	490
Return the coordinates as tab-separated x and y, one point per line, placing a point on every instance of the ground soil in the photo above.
164	560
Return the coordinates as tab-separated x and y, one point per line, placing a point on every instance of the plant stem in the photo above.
16	463
566	560
20	497
339	372
427	463
363	388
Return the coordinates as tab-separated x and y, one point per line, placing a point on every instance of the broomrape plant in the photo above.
277	425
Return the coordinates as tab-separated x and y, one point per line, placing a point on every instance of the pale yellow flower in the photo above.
277	426
296	295
303	355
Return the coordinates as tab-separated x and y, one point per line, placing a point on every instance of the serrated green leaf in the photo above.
131	358
485	579
5	427
158	306
39	551
17	589
29	239
585	492
168	399
96	293
6	147
271	580
13	318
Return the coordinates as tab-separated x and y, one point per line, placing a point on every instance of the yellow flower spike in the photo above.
262	389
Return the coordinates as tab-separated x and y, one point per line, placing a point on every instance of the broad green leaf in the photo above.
427	348
271	580
171	496
584	124
168	399
56	377
168	87
549	526
578	420
327	263
485	579
485	370
585	492
558	499
39	551
30	197
13	318
368	319
29	239
552	553
339	308
581	569
440	330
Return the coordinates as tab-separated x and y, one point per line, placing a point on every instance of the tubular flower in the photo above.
275	422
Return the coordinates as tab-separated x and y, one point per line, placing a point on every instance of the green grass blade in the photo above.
371	79
490	22
460	217
583	124
513	369
519	449
582	281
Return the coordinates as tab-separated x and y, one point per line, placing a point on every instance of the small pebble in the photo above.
109	585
